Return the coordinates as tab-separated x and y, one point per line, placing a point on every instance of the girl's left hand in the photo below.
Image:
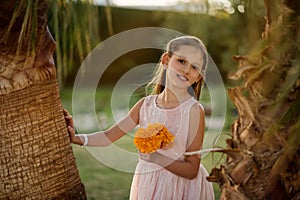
149	157
154	157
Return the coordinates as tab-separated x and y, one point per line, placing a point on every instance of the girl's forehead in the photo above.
191	54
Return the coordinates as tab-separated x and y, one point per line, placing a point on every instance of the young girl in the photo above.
167	173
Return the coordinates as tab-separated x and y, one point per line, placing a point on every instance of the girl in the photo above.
167	173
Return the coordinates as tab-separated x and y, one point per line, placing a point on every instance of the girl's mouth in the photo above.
182	77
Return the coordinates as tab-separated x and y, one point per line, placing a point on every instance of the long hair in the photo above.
159	77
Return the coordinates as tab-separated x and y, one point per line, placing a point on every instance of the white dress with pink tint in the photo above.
152	181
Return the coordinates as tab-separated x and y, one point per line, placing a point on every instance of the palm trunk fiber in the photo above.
37	161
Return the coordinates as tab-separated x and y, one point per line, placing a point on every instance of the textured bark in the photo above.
37	161
266	133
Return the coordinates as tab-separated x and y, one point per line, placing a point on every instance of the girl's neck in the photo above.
169	99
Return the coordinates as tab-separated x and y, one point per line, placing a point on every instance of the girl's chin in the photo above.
179	82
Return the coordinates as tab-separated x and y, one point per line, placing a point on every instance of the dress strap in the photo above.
190	103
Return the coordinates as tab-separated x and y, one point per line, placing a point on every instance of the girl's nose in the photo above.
186	68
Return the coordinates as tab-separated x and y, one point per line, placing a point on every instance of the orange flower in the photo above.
154	137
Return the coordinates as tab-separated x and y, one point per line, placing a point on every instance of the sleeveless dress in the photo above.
153	182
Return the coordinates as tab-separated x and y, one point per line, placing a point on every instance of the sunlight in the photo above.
145	3
179	5
158	3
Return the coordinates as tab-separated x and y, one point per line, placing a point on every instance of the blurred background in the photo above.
227	27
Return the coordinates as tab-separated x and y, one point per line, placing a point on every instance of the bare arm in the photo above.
105	138
190	166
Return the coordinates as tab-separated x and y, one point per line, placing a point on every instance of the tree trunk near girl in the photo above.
264	157
37	161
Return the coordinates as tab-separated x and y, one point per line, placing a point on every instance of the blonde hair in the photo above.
158	81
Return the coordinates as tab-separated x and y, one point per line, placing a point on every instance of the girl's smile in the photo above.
181	77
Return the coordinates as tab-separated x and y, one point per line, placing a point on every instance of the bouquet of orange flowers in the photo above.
152	138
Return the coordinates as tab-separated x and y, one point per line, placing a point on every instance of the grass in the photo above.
101	181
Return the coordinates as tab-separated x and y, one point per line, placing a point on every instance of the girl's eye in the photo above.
194	67
181	61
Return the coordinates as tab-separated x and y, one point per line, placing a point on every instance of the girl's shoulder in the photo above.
150	98
146	100
137	106
196	108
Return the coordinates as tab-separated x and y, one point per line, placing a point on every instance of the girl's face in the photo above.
183	67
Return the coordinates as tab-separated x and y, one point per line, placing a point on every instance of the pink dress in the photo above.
152	181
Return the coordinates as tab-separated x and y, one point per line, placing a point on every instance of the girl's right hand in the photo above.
70	125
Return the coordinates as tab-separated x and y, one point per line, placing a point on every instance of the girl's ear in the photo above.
165	59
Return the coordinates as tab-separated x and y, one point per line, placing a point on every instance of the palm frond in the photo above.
76	30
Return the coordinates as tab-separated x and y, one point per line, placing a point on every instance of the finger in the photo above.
68	117
141	154
65	111
71	130
69	120
144	156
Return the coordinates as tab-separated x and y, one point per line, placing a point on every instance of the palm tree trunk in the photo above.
265	137
37	161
